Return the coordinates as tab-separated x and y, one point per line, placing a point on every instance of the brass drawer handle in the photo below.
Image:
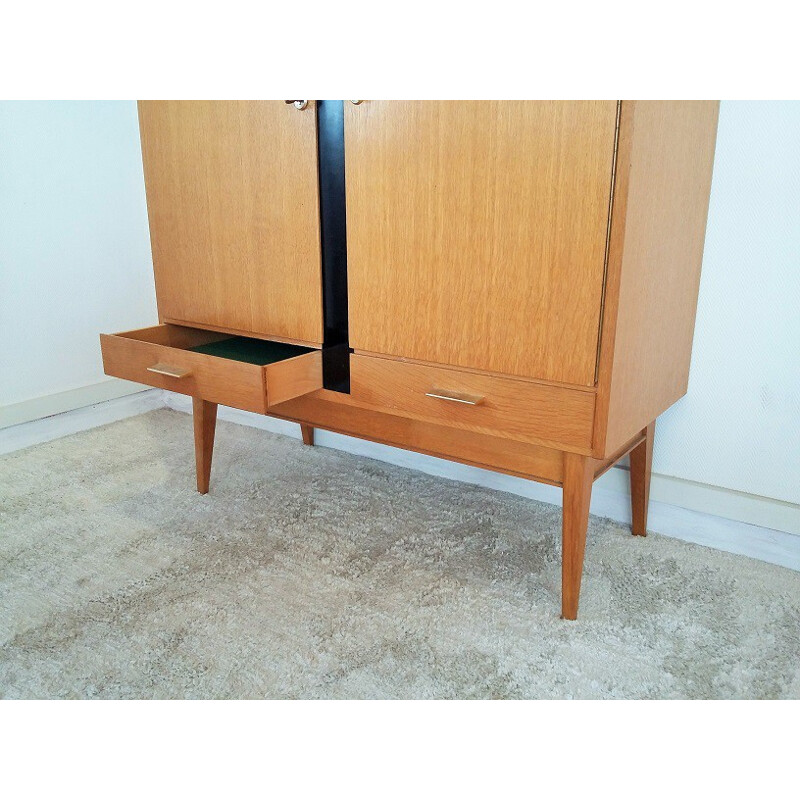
456	397
170	372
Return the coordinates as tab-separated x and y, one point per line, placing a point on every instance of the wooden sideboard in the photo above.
511	285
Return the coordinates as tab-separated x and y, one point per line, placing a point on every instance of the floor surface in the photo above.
312	573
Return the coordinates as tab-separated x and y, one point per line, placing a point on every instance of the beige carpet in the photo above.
309	573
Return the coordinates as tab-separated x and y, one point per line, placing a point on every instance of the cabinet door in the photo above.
477	232
234	215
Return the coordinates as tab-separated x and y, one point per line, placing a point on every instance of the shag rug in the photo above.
312	573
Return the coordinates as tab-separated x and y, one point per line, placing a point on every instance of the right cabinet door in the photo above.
477	232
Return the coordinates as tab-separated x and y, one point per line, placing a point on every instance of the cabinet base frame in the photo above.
574	472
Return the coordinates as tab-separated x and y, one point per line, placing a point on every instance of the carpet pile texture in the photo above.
312	573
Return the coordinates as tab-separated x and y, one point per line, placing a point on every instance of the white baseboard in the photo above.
767	512
707	515
38	431
57	403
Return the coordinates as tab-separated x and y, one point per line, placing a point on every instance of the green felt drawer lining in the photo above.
251	351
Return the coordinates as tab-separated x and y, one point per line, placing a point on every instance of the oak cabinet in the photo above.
506	284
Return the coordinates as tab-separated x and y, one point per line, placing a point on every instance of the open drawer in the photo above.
252	374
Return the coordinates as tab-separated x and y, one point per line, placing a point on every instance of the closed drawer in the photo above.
554	416
231	370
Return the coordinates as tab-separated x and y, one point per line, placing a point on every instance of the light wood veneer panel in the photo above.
218	380
234	215
293	377
666	154
340	413
477	232
238	384
549	415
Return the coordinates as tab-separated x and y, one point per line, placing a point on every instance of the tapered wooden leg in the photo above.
205	423
641	463
308	433
578	477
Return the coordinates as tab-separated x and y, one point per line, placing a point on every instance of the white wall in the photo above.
74	249
75	260
739	424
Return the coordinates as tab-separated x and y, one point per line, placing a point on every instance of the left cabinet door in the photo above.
232	197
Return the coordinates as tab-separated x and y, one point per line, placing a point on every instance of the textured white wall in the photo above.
739	424
74	243
75	260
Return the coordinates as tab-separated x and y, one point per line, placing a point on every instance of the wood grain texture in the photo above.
334	411
204	415
234	215
603	465
578	477
641	468
251	387
219	380
293	377
520	378
660	207
548	415
172	336
477	232
238	332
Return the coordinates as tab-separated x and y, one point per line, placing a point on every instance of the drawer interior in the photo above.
251	351
221	345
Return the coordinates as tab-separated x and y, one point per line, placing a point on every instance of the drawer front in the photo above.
217	380
158	357
550	415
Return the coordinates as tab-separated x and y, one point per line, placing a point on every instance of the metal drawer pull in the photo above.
170	372
456	397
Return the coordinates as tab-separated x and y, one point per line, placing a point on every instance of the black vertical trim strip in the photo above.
333	236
